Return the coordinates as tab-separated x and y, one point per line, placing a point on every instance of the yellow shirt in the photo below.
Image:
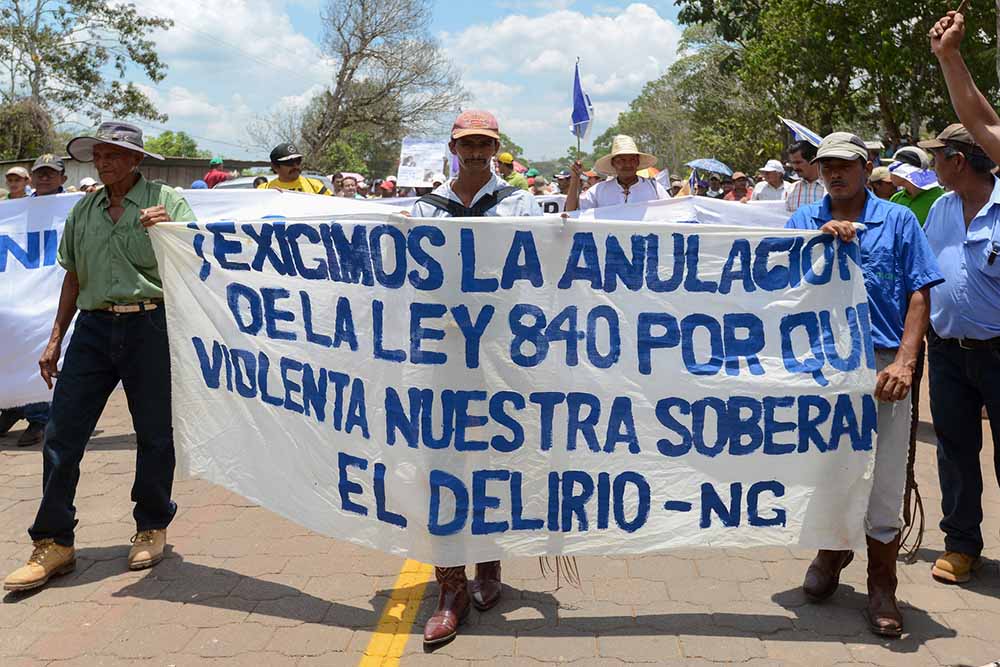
305	184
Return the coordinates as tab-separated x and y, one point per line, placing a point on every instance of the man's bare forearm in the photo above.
915	327
572	196
973	110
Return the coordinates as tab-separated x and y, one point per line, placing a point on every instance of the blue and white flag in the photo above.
583	109
802	133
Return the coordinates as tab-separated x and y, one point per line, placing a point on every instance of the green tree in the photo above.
699	108
863	65
734	20
175	144
368	153
390	75
73	56
507	145
27	131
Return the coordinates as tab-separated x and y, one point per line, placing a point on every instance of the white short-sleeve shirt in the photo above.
764	192
515	205
611	193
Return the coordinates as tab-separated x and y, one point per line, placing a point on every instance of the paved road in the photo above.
245	587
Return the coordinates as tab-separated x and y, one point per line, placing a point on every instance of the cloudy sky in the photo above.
229	62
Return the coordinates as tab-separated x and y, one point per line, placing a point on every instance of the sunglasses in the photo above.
292	163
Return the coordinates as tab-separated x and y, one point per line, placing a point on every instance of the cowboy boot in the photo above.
884	617
486	587
823	575
452	606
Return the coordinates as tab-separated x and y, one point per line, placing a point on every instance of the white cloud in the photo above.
228	63
529	87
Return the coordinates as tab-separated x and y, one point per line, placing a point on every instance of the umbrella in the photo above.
708	164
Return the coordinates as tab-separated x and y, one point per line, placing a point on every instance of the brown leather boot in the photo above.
823	575
452	607
884	617
486	587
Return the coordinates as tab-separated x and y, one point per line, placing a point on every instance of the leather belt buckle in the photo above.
962	343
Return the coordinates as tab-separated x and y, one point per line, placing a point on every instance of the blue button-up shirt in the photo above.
967	305
895	258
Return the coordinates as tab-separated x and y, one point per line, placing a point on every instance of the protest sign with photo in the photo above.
419	160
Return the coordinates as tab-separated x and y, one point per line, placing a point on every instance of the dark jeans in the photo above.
106	348
34	413
962	382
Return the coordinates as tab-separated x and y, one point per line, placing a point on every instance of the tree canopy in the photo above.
175	144
27	131
73	56
863	65
390	79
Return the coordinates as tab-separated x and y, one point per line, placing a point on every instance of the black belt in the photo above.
972	343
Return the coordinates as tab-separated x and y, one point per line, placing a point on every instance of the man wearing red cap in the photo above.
476	192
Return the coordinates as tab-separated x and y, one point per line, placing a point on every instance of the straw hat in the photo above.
623	145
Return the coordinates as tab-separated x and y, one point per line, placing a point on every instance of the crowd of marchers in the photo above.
927	221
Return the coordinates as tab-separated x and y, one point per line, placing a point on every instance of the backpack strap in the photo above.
477	210
449	206
489	201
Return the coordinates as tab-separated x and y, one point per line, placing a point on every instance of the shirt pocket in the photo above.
991	270
138	248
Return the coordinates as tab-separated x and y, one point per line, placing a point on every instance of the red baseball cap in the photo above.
476	122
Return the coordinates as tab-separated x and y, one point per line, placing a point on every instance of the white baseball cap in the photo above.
773	165
87	181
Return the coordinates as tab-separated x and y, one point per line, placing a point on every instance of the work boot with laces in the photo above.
147	548
47	560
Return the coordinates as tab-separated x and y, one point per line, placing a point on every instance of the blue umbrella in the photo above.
714	166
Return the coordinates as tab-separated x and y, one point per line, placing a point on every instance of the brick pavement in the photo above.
245	587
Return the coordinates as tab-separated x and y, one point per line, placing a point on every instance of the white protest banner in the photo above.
30	280
30	277
466	390
419	160
703	210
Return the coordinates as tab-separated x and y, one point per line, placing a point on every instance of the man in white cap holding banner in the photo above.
120	336
627	187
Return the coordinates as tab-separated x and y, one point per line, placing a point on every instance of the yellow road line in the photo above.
393	629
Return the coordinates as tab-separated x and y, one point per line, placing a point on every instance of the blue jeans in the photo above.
107	348
35	413
962	382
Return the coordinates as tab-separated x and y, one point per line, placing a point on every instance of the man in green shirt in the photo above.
918	185
505	166
120	336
